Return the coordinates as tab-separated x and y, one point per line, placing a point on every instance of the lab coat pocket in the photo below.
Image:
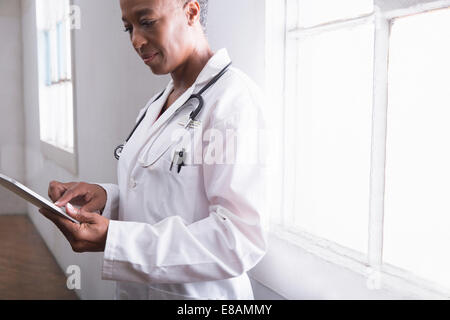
169	140
183	188
177	167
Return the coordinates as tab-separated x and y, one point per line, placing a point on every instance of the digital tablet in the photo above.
32	197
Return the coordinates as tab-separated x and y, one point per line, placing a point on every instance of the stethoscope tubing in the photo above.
192	117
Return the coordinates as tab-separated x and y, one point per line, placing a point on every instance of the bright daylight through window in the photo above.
417	219
338	56
329	97
55	73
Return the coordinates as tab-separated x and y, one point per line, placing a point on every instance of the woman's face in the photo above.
158	31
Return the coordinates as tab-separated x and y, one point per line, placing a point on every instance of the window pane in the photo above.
417	207
313	12
333	135
55	87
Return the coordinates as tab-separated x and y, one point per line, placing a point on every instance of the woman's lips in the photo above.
149	58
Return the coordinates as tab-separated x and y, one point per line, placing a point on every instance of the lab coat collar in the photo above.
217	62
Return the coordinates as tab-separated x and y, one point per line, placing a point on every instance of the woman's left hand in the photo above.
88	236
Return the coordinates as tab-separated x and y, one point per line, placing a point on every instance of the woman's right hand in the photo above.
91	197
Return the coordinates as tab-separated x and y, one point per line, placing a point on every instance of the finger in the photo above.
80	215
56	189
79	201
94	205
73	212
73	192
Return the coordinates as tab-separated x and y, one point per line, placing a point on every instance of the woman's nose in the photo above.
138	40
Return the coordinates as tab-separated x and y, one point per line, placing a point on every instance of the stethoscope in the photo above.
192	117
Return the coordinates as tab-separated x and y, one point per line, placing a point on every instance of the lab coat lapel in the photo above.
161	136
167	115
219	61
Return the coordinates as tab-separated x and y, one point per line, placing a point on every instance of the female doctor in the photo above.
185	220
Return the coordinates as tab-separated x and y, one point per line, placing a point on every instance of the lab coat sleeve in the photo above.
111	210
227	243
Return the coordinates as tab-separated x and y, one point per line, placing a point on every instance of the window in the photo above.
329	72
365	125
55	80
417	207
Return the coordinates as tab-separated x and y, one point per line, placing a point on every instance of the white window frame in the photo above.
370	266
65	159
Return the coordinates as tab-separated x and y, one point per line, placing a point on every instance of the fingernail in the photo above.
71	208
57	203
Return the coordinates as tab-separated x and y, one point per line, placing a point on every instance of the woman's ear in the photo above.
192	12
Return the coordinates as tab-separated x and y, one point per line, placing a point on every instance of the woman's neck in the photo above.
185	76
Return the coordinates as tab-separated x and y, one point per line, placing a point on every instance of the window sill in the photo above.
63	158
297	267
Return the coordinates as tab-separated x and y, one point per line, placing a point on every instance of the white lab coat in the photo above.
192	235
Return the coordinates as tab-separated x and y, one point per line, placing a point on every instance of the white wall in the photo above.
239	26
11	106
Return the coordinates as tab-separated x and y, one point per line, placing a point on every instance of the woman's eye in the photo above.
147	23
128	29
